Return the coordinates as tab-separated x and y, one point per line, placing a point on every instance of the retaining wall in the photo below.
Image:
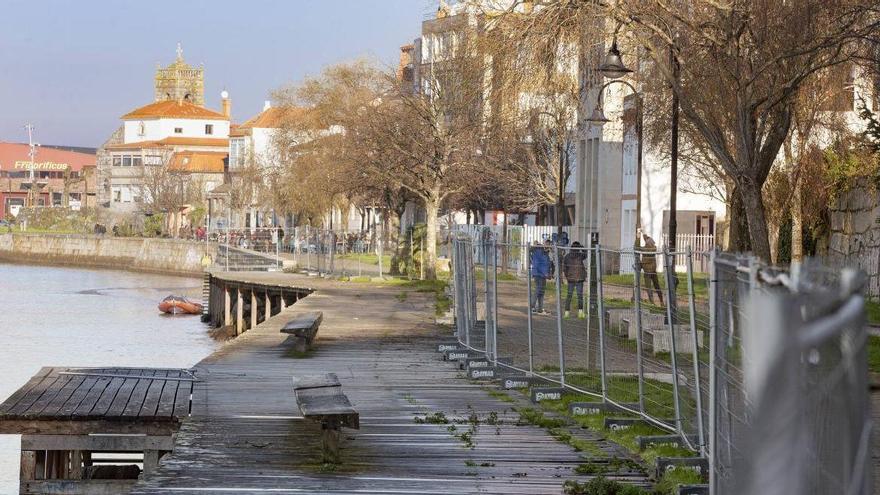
170	256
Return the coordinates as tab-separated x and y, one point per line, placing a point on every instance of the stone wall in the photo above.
855	233
170	256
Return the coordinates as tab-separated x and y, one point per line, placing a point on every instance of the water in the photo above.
52	316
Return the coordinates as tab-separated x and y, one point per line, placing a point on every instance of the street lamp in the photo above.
598	118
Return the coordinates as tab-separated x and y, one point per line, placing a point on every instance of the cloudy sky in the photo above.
72	68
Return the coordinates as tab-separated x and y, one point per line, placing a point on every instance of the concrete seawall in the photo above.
168	256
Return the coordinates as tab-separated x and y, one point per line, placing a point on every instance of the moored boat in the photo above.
176	305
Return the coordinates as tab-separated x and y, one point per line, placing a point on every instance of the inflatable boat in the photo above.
176	305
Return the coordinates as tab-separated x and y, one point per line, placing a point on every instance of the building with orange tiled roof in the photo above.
176	131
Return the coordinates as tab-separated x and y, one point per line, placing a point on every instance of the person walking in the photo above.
648	262
541	270
575	273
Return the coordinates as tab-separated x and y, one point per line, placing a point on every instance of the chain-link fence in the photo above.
624	328
789	379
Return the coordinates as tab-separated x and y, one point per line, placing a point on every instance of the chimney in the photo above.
227	104
267	105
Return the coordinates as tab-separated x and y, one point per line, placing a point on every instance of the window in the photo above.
178	130
209	129
117	161
136	161
126	160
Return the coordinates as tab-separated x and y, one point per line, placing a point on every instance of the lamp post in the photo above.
598	118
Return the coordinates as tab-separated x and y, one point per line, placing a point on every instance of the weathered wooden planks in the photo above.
247	437
91	394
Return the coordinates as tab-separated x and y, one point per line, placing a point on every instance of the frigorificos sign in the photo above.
44	166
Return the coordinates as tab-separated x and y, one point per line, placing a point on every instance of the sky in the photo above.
73	67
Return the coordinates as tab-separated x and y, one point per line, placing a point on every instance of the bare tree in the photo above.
163	189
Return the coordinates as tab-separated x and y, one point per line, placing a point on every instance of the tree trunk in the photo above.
797	223
737	232
432	207
756	217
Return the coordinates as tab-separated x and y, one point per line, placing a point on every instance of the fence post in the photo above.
487	313
637	297
713	369
556	262
696	352
670	297
381	239
601	316
494	300
412	261
528	265
422	259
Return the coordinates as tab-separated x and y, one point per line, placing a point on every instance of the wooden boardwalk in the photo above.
246	436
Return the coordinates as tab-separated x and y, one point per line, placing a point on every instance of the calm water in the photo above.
54	316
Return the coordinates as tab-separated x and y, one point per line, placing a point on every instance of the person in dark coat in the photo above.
648	264
541	270
575	273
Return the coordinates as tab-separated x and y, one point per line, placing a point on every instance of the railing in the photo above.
704	357
248	249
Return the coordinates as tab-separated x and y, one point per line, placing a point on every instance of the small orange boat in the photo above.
176	305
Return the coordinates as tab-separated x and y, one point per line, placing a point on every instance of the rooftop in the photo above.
175	110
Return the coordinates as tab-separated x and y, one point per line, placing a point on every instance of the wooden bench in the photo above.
320	399
304	329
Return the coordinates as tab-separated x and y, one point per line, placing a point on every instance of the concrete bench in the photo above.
659	339
320	399
304	329
649	320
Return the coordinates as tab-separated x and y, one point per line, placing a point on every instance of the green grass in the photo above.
874	353
873	310
701	282
668	484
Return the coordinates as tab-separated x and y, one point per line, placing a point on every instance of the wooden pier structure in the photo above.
245	432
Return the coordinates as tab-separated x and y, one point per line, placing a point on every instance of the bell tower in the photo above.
180	82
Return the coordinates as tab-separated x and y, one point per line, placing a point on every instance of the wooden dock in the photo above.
245	434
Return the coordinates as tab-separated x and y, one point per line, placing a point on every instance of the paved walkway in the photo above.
245	435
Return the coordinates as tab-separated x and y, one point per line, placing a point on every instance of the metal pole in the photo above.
670	294
487	314
696	340
422	259
601	316
494	300
559	314
531	305
637	275
713	370
411	254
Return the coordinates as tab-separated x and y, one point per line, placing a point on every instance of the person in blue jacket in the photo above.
541	270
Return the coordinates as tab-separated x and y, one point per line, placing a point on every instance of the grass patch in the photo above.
601	486
668	484
873	310
401	296
701	283
532	416
874	353
366	258
437	418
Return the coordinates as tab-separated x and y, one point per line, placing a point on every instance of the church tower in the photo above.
181	82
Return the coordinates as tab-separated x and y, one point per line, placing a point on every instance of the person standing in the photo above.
541	270
648	262
575	273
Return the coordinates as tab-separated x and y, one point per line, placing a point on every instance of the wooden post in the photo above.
330	444
151	462
254	311
28	465
76	464
239	312
268	307
227	307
